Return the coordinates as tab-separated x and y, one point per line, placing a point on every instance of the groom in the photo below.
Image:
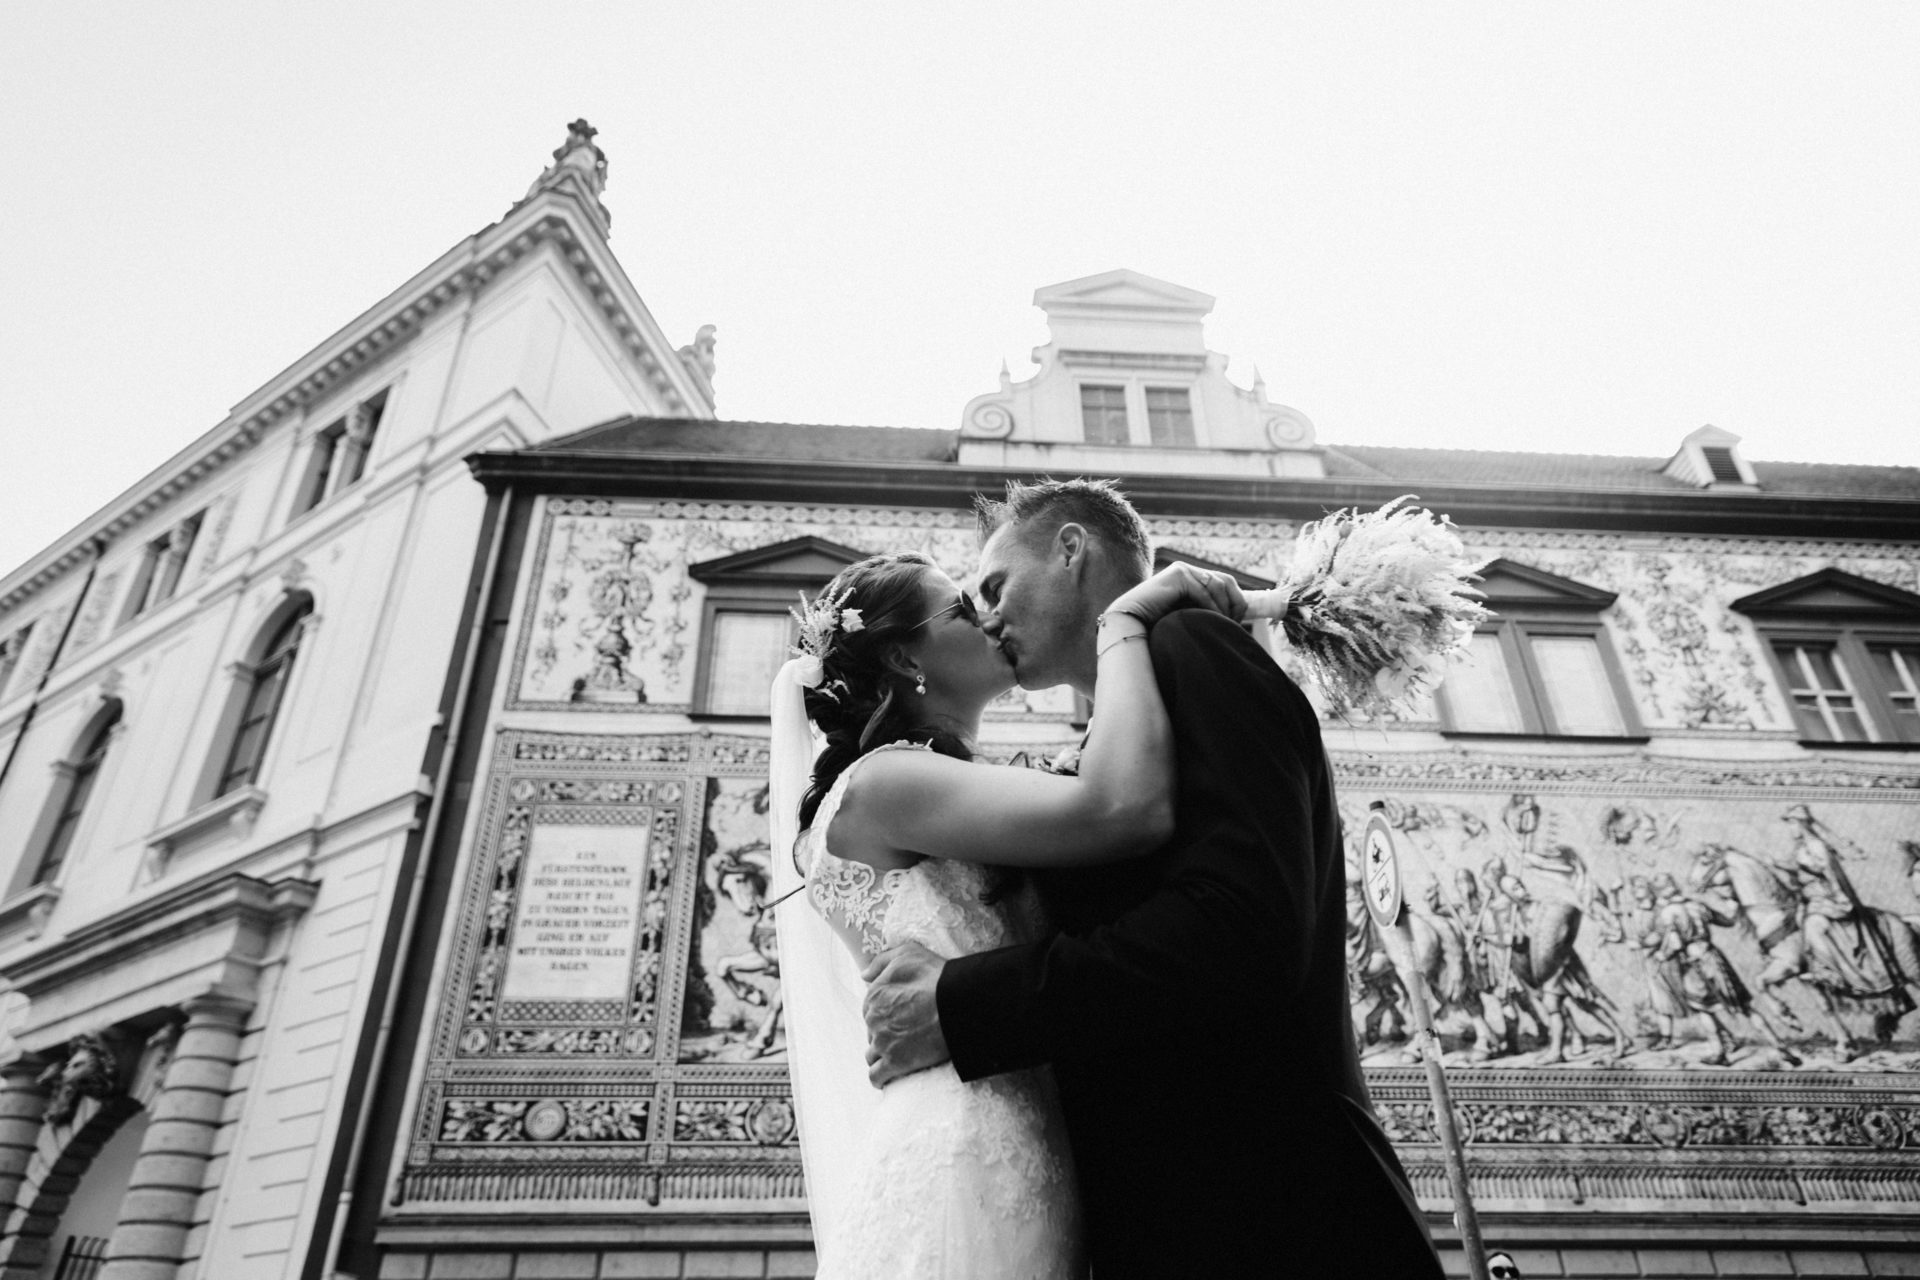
1193	1005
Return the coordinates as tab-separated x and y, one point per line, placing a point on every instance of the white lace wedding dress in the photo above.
956	1181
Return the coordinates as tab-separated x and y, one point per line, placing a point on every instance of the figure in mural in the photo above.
753	975
1444	951
1704	983
1813	929
1373	984
734	1007
1637	912
1545	963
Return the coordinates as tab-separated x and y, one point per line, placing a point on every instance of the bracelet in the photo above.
1112	633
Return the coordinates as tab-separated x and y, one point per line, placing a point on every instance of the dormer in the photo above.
1710	459
1126	384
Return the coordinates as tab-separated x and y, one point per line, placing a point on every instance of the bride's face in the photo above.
954	654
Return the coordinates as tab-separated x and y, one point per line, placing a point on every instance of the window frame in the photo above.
77	774
13	653
1852	614
275	658
1552	606
764	580
338	454
1185	392
1851	644
1126	440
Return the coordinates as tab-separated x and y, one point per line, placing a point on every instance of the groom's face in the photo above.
1030	607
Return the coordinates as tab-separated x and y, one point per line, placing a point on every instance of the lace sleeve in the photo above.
852	896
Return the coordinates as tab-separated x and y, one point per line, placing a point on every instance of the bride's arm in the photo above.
1120	805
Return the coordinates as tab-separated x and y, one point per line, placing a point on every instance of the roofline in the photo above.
464	269
734	479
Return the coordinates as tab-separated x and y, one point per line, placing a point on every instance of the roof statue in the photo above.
698	354
579	166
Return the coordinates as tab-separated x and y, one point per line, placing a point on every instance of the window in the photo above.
748	649
162	564
1847	653
1170	417
266	688
338	455
1103	414
75	787
746	631
1720	464
12	649
1542	665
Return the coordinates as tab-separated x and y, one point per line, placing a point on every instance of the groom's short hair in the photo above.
1039	509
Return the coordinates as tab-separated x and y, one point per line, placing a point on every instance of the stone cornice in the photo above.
213	934
755	479
549	217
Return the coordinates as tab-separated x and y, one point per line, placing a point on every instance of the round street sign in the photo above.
1380	870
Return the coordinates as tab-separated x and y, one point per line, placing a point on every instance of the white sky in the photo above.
1568	226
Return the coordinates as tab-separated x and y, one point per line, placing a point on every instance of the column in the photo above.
22	1103
151	1238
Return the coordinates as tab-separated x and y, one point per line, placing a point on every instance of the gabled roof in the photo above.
565	215
803	560
701	436
1508	582
1604	471
1834	593
1121	289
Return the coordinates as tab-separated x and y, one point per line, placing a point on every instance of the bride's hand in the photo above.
1181	585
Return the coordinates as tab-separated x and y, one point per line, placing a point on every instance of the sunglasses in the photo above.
962	608
1502	1268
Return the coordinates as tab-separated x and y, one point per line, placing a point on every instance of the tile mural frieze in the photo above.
612	618
1655	977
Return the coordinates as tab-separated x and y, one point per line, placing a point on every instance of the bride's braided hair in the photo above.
861	703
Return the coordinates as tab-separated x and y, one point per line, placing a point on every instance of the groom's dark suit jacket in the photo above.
1194	1006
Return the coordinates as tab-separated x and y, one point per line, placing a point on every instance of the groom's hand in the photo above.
903	1021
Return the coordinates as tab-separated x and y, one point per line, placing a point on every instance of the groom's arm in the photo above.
1237	907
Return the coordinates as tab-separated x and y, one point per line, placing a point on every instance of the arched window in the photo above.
80	772
266	687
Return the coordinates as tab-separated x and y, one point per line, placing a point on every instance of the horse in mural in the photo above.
1813	929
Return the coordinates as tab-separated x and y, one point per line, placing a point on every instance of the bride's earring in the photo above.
920	684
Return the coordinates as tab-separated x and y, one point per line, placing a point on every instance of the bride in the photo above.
897	835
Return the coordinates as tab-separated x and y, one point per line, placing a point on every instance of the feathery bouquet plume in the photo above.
1376	604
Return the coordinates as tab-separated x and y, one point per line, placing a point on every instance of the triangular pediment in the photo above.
1512	584
801	562
1834	593
1163	556
1125	289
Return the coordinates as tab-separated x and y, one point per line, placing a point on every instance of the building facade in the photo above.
434	941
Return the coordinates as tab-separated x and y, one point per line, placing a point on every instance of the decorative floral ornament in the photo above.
819	619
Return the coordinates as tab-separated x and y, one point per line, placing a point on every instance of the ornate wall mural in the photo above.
731	1008
1717	919
614	618
1660	979
609	1030
1693	662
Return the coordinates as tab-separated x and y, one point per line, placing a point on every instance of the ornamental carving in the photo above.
613	987
88	1071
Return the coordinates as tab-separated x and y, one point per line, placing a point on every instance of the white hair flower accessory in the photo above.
819	619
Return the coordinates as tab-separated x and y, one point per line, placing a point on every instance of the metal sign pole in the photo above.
1380	878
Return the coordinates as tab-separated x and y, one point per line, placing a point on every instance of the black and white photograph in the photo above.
989	642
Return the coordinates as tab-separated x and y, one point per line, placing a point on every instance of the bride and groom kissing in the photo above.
1106	1009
